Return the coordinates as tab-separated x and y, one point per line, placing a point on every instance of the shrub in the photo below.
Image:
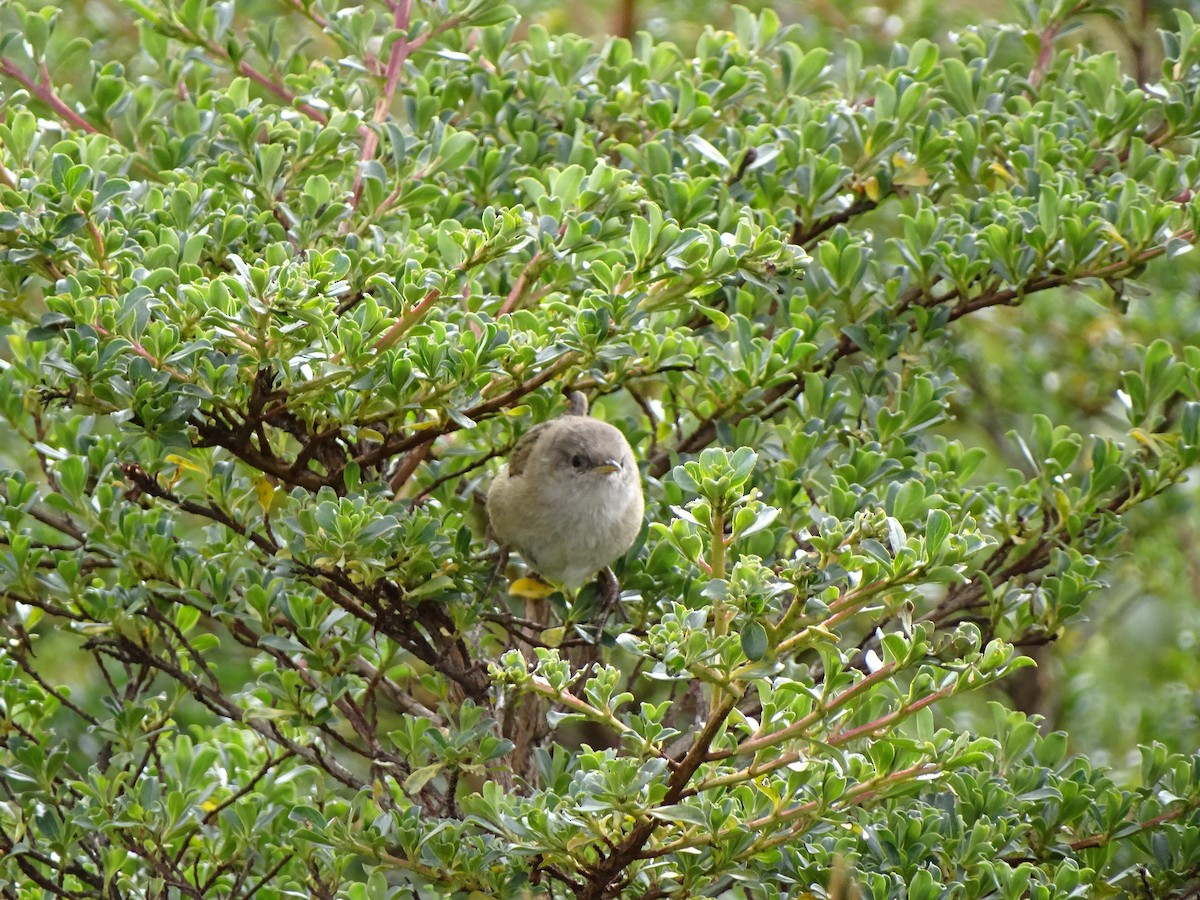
272	316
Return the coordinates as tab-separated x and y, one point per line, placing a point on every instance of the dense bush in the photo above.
275	307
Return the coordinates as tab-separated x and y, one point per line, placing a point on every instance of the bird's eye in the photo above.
577	461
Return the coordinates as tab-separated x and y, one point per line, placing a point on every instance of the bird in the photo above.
569	499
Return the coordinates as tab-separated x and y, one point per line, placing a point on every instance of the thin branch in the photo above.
408	466
769	404
306	11
61	523
266	81
247	788
459	473
402	700
406	321
148	484
1099	840
802	236
269	876
479	411
44	91
601	874
125	650
401	47
532	270
23	661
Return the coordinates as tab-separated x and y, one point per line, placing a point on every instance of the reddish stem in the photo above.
44	91
316	19
406	321
401	16
518	290
415	457
274	87
1099	840
141	351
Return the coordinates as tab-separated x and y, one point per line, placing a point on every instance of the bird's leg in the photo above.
610	598
498	569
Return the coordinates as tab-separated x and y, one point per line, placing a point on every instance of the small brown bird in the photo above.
570	498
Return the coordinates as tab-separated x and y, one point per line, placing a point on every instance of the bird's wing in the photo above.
520	453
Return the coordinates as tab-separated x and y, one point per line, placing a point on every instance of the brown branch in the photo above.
803	236
148	484
125	650
1099	840
625	20
402	444
53	609
531	271
1047	38
60	523
7	178
401	48
137	347
27	867
402	700
312	445
459	473
213	434
306	11
23	661
408	466
248	787
602	873
393	617
270	874
275	87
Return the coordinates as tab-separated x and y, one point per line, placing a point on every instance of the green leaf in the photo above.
455	151
110	190
421	777
937	529
707	150
754	640
680	813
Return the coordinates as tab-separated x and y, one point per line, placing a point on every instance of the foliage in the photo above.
272	314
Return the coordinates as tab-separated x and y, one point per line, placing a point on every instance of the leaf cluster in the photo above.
277	293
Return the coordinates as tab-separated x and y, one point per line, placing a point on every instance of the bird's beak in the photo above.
607	467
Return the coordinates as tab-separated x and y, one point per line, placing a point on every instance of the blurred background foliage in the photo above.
1131	675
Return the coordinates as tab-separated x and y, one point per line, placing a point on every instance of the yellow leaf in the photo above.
183	462
912	176
1146	440
1111	230
1002	170
530	588
265	490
